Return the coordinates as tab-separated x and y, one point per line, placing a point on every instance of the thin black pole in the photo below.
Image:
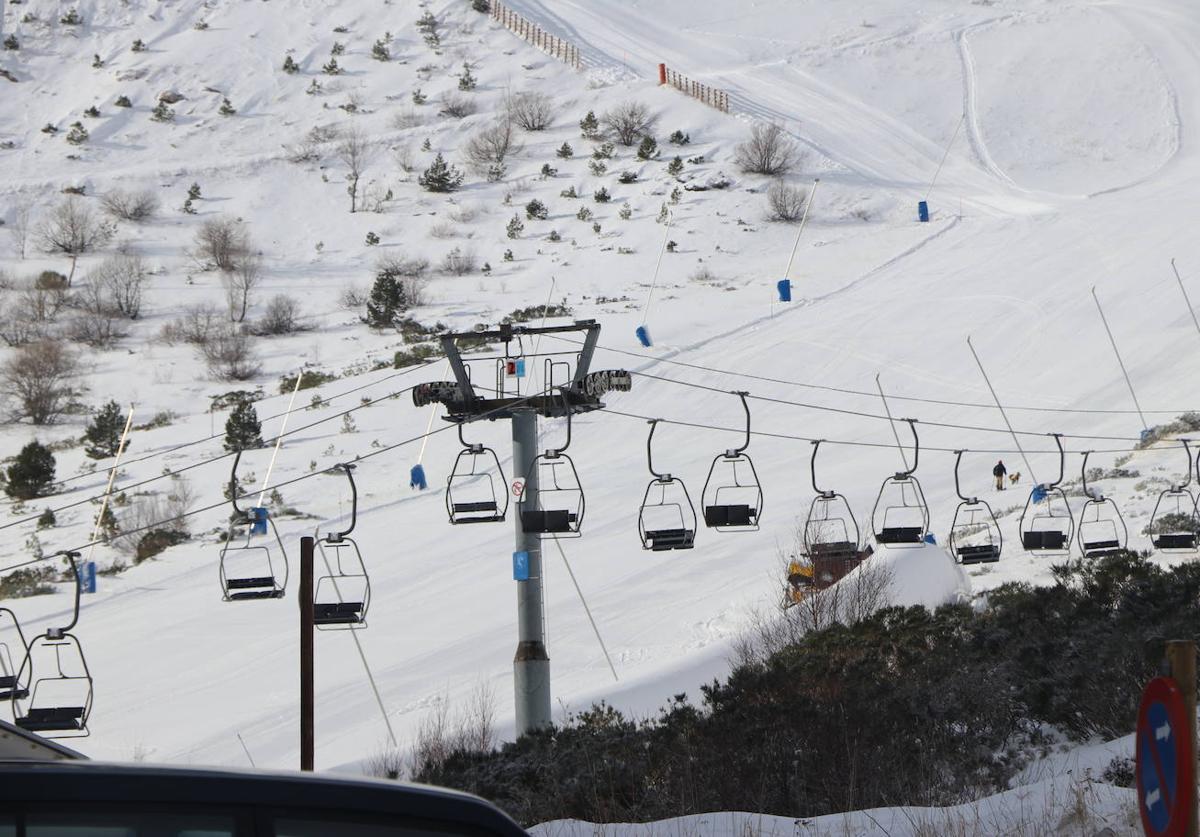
307	697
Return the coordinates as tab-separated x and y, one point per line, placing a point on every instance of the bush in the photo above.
459	262
601	195
230	355
768	151
221	242
309	379
130	206
536	210
456	105
281	317
628	121
492	145
31	474
785	202
157	541
243	431
33	581
415	356
197	326
40	378
531	110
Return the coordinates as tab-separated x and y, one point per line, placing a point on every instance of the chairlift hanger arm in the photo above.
1187	451
348	469
650	453
1083	474
957	486
813	468
57	633
912	426
1062	459
233	484
745	406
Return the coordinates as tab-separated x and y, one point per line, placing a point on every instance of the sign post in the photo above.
1166	748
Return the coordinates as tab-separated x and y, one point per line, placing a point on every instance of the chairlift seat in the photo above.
1101	547
337	613
661	540
735	515
1175	540
481	506
548	521
9	689
982	554
1044	541
259	587
899	534
833	549
251	583
52	719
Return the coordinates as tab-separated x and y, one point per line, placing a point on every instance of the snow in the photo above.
1074	167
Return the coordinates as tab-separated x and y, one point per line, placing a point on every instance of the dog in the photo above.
1013	479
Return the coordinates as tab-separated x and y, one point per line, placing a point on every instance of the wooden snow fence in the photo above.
553	45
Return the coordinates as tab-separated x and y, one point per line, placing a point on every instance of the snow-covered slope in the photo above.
1074	167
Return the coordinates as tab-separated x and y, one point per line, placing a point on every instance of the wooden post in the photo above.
1181	656
307	695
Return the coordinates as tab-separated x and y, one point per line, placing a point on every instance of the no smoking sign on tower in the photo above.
1165	761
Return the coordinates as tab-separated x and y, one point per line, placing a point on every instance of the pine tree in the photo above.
226	108
589	126
78	134
380	51
11	43
648	149
290	66
536	210
675	167
388	299
123	102
565	151
515	227
32	474
466	81
243	431
102	438
440	177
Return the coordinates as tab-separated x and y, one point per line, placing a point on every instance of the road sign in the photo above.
518	488
1165	762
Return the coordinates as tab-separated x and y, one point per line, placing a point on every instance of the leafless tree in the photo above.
230	355
531	110
72	228
785	202
628	121
354	151
768	151
122	275
459	262
222	242
281	317
492	145
456	105
130	206
97	321
44	298
40	380
20	227
197	326
240	283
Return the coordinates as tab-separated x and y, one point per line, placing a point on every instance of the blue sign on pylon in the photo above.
521	566
1165	762
87	577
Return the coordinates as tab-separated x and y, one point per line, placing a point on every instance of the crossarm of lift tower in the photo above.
579	394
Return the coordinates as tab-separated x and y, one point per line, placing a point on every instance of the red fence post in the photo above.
662	73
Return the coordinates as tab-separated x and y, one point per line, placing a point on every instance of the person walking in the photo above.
999	472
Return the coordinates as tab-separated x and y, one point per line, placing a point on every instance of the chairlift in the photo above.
57	702
341	596
249	570
667	519
831	535
732	497
1048	531
1102	529
901	516
1174	525
558	510
11	638
471	495
975	536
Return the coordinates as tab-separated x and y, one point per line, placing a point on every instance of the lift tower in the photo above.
568	388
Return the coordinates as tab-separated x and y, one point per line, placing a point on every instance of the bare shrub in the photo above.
40	380
456	105
21	225
353	297
97	321
16	330
282	316
72	228
122	275
221	242
407	118
309	147
459	262
491	146
471	731
628	122
464	214
154	512
387	763
410	267
768	151
230	355
354	151
197	326
41	302
785	202
240	283
130	206
531	110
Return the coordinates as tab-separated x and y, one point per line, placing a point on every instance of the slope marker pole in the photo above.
1120	362
1000	407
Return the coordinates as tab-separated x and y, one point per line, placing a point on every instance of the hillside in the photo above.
1073	168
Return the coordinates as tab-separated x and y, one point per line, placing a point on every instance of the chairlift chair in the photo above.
471	495
667	518
901	516
732	497
975	536
58	701
558	510
250	571
831	535
341	596
1175	525
11	638
1047	531
1102	529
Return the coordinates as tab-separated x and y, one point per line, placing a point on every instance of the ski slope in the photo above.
1074	167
